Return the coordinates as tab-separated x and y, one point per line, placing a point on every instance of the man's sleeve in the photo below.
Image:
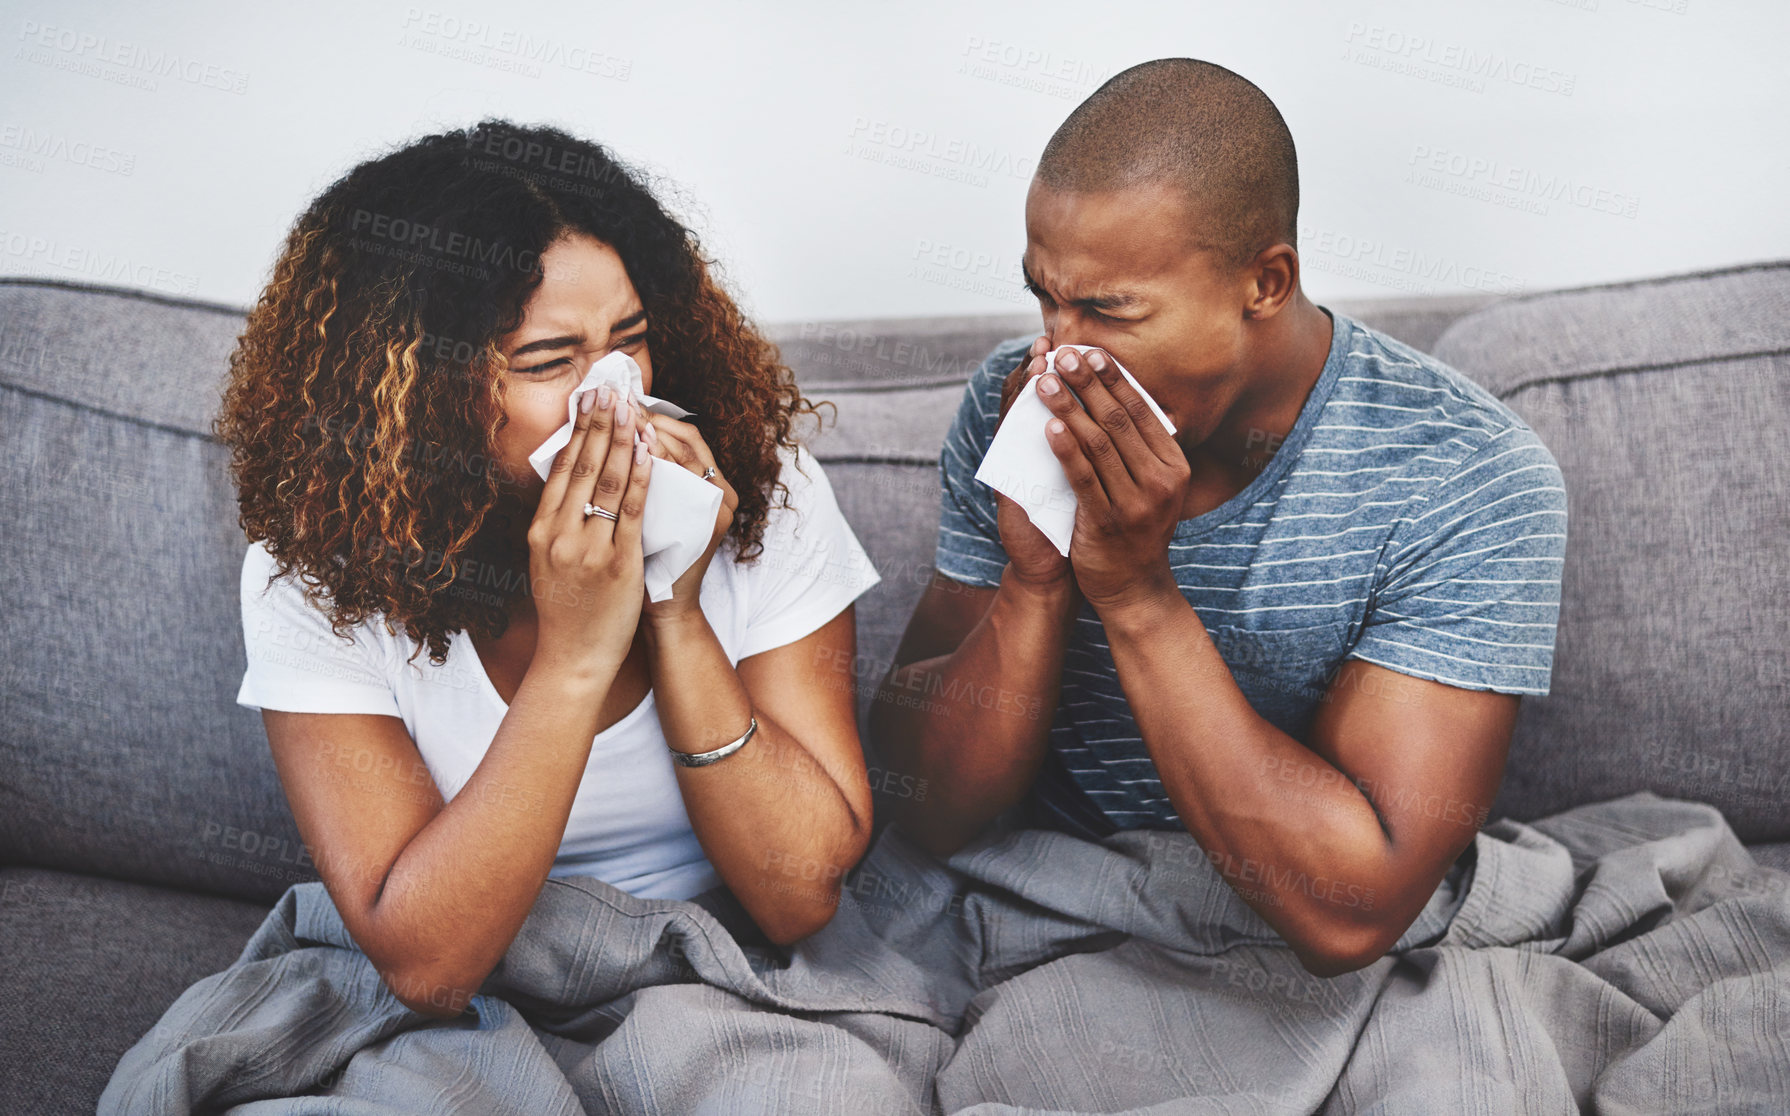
969	543
1471	595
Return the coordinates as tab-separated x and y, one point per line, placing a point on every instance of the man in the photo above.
1300	626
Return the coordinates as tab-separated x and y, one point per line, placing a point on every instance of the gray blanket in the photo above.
1623	957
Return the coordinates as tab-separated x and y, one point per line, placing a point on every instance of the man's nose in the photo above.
1067	327
1067	330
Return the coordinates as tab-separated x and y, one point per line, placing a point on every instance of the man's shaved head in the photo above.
1198	127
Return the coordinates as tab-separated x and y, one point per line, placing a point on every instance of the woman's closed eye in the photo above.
544	367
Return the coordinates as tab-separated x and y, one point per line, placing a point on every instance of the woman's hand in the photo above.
1030	552
586	572
681	443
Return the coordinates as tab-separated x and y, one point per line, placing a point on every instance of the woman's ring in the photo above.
592	509
708	472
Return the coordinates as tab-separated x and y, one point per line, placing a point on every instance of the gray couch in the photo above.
143	832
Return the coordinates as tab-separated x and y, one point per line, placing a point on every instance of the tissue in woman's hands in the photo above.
680	506
1020	465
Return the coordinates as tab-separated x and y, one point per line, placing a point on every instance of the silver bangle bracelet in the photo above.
703	759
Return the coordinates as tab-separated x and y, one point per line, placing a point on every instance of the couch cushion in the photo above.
1667	405
87	967
880	448
892	353
122	750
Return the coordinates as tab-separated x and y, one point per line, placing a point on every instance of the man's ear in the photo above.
1274	275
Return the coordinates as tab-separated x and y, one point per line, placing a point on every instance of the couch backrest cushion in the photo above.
1667	405
122	750
881	455
894	386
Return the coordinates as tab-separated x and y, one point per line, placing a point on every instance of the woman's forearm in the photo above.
461	888
774	822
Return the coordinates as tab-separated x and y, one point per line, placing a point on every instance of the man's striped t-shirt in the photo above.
1409	518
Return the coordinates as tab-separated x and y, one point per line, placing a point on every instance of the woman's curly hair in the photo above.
364	395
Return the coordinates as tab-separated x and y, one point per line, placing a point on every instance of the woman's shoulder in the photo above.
261	574
801	471
808	567
289	595
802	493
259	570
802	515
296	660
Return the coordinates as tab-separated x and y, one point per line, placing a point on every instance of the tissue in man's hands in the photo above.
1020	465
680	506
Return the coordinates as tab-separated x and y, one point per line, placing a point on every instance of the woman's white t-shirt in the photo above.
628	826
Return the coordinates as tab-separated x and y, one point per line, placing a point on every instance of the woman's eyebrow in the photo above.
546	344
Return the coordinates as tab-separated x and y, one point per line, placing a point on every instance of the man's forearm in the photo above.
974	724
1316	871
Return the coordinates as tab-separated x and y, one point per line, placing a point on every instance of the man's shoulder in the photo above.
1380	364
979	412
1000	361
1400	404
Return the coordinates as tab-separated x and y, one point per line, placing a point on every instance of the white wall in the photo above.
870	159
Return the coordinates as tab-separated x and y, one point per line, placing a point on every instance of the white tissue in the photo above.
680	506
1020	465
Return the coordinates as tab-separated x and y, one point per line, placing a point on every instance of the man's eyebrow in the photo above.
1117	300
547	344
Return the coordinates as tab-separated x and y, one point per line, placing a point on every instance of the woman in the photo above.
423	333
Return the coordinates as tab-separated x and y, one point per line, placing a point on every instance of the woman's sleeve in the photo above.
812	565
295	661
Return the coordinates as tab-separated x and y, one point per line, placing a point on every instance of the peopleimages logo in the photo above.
132	63
34	147
105	267
1403	268
1029	67
506	48
923	143
1512	185
1395	51
419	236
968	269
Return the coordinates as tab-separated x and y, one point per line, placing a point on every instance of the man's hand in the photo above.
1129	475
1033	556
